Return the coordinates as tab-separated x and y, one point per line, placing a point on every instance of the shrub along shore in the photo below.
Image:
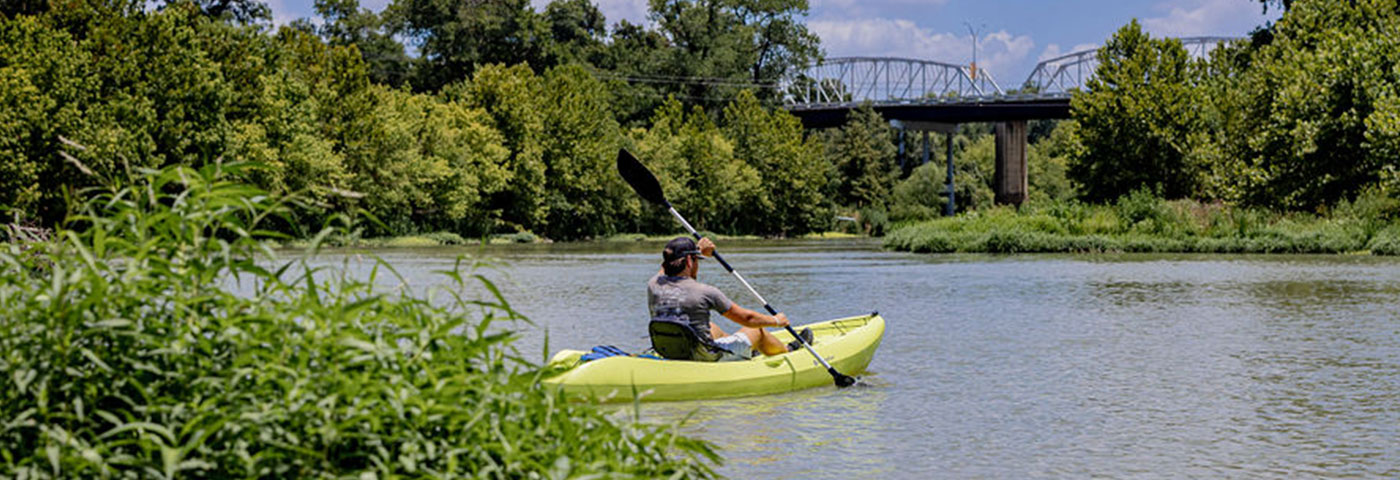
445	239
154	334
1141	222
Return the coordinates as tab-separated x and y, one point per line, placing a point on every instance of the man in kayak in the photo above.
675	291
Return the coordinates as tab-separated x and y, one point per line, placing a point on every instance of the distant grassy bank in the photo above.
1143	223
438	239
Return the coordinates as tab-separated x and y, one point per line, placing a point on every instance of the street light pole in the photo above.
973	32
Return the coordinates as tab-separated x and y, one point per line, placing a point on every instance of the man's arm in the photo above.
750	318
738	314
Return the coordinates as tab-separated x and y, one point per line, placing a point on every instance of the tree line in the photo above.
478	134
1301	116
468	136
505	119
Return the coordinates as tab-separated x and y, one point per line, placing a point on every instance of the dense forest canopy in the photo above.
493	117
1300	116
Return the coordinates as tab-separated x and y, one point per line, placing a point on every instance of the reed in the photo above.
156	334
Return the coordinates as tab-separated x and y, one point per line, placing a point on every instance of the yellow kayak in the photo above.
847	343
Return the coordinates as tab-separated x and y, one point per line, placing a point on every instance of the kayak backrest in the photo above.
674	339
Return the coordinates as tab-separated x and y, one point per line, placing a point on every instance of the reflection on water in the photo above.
1020	366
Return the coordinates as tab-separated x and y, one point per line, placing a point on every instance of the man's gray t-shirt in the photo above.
694	299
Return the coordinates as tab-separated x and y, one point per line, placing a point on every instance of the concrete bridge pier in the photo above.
1009	181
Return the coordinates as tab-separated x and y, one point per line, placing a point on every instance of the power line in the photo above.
679	80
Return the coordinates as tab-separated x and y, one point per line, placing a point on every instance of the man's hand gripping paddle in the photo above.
645	184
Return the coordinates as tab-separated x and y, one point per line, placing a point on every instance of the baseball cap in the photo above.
679	248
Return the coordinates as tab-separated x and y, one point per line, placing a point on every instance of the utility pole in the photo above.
973	32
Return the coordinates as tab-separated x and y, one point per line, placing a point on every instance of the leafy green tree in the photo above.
45	81
454	38
863	154
974	157
1134	119
707	51
246	12
287	139
634	49
754	40
781	41
145	88
291	130
578	30
793	173
511	96
1279	4
419	163
1048	162
24	7
348	24
695	164
974	169
922	195
585	195
1316	105
165	95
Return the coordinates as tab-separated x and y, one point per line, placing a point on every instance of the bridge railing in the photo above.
1059	76
845	80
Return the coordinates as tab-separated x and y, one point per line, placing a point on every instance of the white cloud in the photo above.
1053	50
1187	18
1000	51
997	52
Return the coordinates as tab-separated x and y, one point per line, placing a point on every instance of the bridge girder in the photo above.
844	82
846	79
1062	74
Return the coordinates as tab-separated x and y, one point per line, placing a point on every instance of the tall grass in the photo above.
1141	222
155	335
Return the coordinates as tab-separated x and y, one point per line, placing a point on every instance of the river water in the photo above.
1040	366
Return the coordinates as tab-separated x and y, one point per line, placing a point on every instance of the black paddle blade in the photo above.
842	381
640	178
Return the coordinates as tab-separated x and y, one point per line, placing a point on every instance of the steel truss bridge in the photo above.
929	96
926	90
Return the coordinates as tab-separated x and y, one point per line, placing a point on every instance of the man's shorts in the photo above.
736	346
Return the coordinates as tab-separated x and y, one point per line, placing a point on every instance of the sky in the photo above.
1012	35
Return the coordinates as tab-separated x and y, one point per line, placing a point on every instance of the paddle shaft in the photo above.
766	306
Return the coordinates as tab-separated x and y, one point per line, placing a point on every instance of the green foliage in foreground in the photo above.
1141	222
156	335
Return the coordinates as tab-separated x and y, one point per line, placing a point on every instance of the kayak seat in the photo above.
676	340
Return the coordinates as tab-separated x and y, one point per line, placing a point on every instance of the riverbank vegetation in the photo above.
155	334
1281	135
417	122
1143	222
478	135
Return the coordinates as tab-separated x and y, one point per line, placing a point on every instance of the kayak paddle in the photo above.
648	188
